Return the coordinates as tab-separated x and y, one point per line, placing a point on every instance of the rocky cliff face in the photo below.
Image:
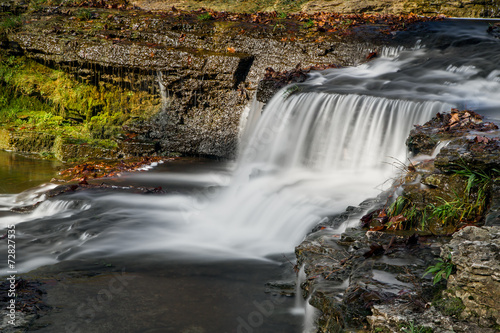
199	71
476	254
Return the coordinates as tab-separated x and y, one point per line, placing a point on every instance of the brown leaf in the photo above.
372	55
378	228
375	249
454	118
481	139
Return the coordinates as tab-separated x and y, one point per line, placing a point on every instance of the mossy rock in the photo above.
450	306
69	149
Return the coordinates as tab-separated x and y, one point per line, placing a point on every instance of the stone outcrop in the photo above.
349	275
476	254
376	279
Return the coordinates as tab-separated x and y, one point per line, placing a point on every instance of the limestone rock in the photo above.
476	254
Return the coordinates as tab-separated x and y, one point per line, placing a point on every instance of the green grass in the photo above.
441	270
470	205
466	205
205	17
9	23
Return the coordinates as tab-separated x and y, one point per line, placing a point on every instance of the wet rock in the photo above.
29	142
274	81
29	304
267	89
394	318
198	75
493	215
344	283
479	152
84	186
424	138
285	288
469	302
494	30
105	168
475	252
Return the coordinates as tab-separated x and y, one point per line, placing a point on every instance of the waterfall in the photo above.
307	155
310	155
316	148
320	131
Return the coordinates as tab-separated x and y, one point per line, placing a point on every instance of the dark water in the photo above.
20	172
127	296
136	291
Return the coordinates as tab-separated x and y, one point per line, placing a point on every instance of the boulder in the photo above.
476	254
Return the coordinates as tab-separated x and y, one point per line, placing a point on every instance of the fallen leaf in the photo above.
481	139
372	55
378	228
454	118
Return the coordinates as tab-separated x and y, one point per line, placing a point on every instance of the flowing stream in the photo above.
223	229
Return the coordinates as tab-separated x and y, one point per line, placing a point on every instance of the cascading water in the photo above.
317	148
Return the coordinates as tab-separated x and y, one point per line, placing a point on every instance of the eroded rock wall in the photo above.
204	72
476	254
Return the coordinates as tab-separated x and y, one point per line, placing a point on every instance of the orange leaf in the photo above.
378	228
231	50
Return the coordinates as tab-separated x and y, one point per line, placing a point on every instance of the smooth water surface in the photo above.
20	172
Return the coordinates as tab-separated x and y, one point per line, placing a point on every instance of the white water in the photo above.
310	154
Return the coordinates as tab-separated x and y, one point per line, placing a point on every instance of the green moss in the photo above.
8	23
84	14
452	306
34	97
47	155
205	17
